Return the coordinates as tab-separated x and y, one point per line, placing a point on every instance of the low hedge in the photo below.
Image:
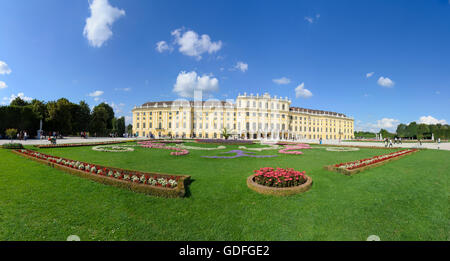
12	146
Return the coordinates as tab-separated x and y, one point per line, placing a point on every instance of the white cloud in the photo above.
98	26
96	93
389	124
368	75
385	82
188	82
123	89
241	66
311	20
300	91
282	80
96	99
3	85
431	120
162	46
4	68
13	96
191	44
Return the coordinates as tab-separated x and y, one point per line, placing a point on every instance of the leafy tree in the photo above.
98	125
11	133
110	114
225	133
130	129
386	134
402	130
81	115
38	108
120	122
18	102
423	130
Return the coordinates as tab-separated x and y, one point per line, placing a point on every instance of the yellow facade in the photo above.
249	117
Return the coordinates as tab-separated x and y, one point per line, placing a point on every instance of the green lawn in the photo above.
407	199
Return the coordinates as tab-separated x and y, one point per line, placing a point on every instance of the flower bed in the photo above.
182	146
12	146
150	183
293	149
349	168
342	149
157	145
238	154
223	141
63	145
282	182
113	148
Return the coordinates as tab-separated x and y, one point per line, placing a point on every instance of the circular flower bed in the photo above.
279	181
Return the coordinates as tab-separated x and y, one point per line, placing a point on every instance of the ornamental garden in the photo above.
222	190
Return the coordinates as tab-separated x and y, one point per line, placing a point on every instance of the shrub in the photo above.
11	133
12	146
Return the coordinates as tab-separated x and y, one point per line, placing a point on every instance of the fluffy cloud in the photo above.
4	68
96	93
368	75
282	80
191	44
3	85
300	91
162	46
98	26
188	82
13	96
389	124
431	120
241	66
385	82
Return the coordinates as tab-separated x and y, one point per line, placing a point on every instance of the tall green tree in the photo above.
19	102
99	122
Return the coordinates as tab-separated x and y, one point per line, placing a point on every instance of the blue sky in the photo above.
381	62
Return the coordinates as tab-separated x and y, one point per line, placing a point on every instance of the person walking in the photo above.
390	143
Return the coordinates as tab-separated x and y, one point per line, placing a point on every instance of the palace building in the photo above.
249	117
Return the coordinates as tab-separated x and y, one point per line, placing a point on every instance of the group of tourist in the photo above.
388	142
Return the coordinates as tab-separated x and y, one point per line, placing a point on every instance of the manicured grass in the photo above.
405	199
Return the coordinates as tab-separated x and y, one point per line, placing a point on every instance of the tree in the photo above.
11	133
98	124
386	134
423	130
18	102
225	133
130	129
110	114
411	130
38	108
120	125
401	130
81	115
